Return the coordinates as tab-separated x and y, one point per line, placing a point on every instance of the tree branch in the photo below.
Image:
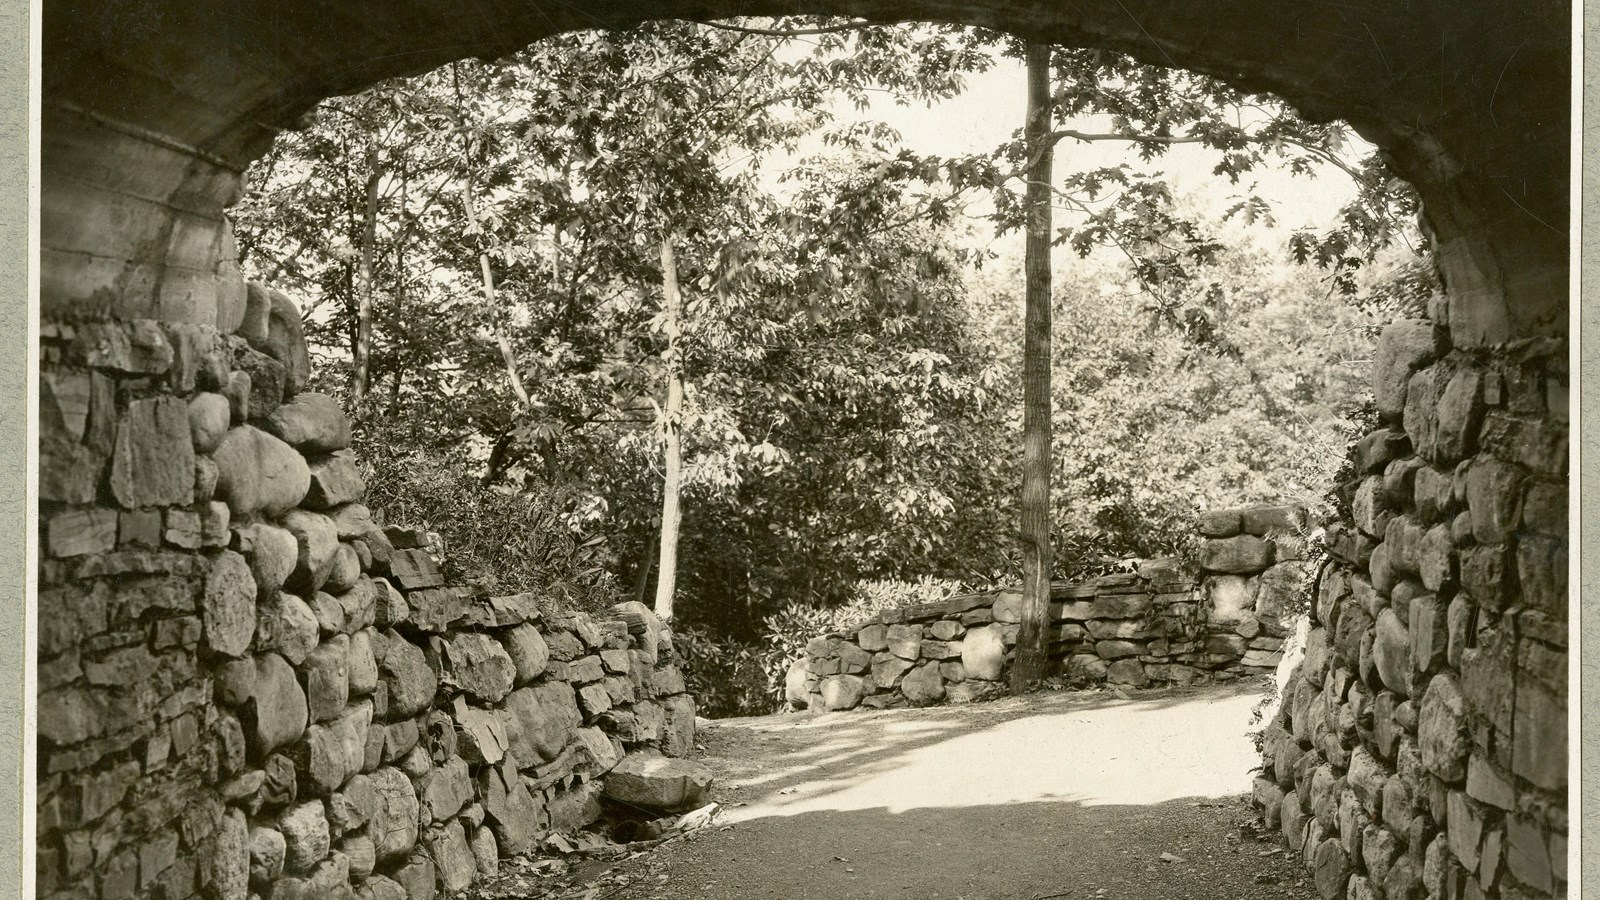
1057	136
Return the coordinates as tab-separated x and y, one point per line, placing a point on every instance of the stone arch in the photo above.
1433	695
152	110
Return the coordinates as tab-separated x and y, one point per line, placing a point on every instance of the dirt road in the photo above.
1053	796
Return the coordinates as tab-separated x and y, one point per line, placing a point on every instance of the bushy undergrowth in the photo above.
725	675
505	540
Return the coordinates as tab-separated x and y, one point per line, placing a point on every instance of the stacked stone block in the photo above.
1420	750
249	688
1159	625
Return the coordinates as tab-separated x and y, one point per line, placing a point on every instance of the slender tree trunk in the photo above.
362	357
671	514
1033	640
641	581
486	271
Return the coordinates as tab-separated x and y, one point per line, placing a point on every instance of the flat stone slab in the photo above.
658	783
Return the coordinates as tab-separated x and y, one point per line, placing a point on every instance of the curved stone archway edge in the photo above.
152	110
1420	747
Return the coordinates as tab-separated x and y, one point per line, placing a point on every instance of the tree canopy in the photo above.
478	249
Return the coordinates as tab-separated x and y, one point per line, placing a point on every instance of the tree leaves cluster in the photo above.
479	247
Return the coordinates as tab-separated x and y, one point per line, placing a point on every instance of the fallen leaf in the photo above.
1168	857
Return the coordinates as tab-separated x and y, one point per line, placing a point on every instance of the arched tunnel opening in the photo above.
1420	748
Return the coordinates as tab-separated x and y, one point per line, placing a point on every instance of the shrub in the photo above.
507	540
725	675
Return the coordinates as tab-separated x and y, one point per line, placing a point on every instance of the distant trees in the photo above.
564	272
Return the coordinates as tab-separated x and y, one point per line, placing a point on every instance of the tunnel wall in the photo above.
249	688
1164	624
1421	747
151	111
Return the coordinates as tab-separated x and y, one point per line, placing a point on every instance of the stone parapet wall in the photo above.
247	688
1158	625
1421	746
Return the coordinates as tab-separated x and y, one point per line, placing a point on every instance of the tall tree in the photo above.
672	451
1032	641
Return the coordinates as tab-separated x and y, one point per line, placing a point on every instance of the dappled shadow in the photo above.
1093	748
1023	851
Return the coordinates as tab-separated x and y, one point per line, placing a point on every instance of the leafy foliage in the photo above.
506	541
485	237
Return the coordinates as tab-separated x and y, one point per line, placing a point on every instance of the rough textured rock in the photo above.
329	754
227	607
476	663
271	323
540	720
361	665
278	704
518	820
352	805
257	473
452	857
316	541
658	783
446	790
1441	734
1245	554
344	571
528	651
311	423
152	461
305	836
923	686
362	854
409	681
1219	523
795	678
326	673
267	849
393	826
1233	598
842	691
905	641
288	625
482	735
1404	347
335	480
230	861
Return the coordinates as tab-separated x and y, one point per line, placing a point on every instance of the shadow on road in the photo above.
1019	851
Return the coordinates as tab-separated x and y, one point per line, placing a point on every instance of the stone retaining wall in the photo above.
1159	625
249	689
1421	746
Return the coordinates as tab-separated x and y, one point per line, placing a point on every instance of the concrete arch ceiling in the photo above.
152	109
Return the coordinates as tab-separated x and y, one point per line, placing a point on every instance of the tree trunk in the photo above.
486	271
641	580
361	359
671	514
1033	640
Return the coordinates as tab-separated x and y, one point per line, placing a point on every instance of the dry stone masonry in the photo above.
247	688
1421	746
1159	625
150	113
